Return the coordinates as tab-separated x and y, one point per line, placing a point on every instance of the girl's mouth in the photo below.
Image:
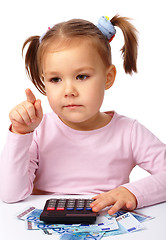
73	106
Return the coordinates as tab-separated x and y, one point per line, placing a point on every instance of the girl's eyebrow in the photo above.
84	69
76	70
50	73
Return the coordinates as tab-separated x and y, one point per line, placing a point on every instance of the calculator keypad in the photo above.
68	211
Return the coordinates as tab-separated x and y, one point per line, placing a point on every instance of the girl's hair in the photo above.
78	28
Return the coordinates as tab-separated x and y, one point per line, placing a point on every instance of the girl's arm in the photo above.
150	154
17	172
19	158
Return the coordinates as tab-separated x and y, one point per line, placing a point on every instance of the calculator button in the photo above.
70	208
50	208
88	203
61	204
88	208
79	208
60	208
80	204
71	202
62	200
52	200
51	205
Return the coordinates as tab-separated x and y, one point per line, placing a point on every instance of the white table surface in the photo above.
14	229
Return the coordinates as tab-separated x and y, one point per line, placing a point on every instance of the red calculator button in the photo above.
60	208
50	208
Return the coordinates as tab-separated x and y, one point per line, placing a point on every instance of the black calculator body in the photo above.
68	211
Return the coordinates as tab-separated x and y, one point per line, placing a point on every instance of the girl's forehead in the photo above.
61	44
86	48
75	48
77	55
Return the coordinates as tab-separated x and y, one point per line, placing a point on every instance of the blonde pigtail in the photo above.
129	50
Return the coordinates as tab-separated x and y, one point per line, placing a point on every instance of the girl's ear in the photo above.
111	74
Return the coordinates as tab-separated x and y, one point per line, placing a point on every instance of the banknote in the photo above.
80	228
61	231
66	234
120	230
37	226
102	224
56	231
94	228
81	236
30	214
129	222
107	219
139	216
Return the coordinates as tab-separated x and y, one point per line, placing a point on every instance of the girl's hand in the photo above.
120	198
26	116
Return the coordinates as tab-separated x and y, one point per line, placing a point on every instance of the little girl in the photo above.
77	149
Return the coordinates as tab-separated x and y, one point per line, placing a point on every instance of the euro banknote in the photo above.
81	236
81	228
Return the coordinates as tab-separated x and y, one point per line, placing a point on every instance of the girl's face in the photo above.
75	81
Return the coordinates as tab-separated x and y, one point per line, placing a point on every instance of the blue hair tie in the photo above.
106	27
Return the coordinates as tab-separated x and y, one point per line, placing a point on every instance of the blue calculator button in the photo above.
70	208
88	208
79	208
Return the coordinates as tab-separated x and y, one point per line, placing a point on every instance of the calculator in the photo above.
62	210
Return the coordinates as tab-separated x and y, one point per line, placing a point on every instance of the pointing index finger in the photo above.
30	96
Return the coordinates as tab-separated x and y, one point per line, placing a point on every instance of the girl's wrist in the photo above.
11	129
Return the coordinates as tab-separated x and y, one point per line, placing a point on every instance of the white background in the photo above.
141	96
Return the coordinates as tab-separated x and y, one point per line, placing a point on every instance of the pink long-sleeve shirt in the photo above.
56	159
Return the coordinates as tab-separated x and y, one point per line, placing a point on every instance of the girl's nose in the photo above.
70	90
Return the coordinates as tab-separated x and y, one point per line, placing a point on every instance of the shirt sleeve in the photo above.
150	154
18	166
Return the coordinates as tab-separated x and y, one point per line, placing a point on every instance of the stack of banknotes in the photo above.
120	223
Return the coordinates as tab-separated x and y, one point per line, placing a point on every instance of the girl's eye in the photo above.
55	80
81	77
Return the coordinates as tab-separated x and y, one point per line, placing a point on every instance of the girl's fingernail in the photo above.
110	212
94	209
